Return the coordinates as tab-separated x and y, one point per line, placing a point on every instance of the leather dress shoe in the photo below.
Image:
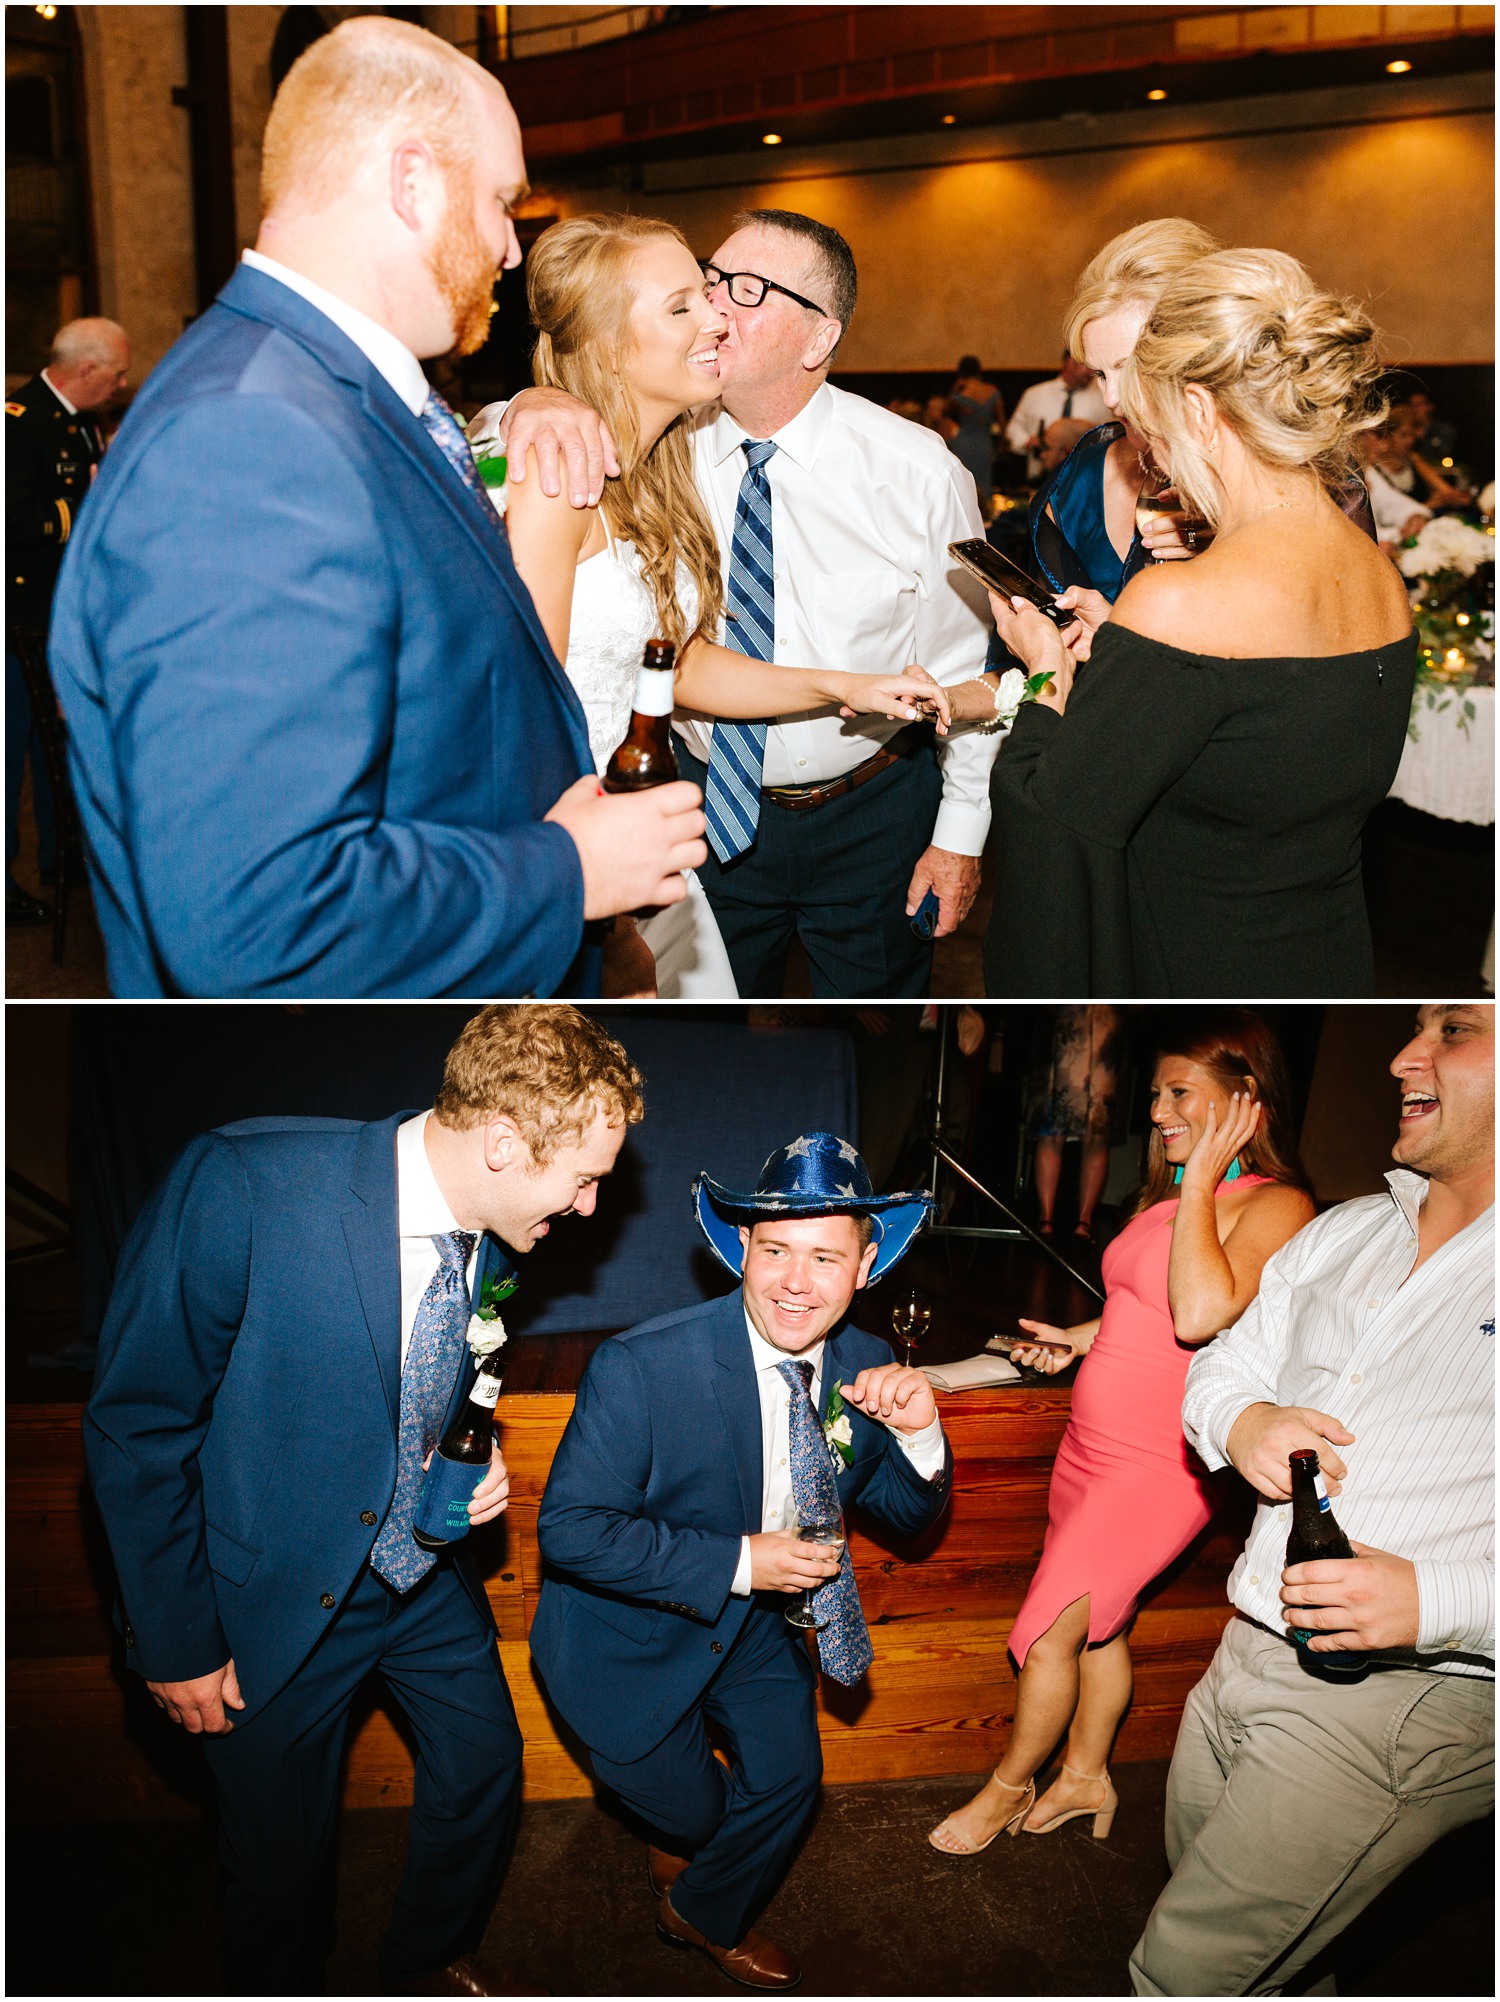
464	1977
756	1962
21	908
663	1869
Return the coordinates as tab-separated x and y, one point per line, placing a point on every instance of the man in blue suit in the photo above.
284	1345
320	742
698	1446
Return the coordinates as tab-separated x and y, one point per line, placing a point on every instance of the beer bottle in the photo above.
459	1463
1315	1534
646	757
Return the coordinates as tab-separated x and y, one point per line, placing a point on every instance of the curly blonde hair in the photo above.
580	290
547	1066
1293	370
1131	269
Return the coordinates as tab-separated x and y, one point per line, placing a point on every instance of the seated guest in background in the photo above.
618	305
1407	470
1396	514
1223	1191
53	445
1436	438
319	740
285	1344
1058	441
696	1445
976	408
1072	392
1084	528
1292	1801
1243	713
822	830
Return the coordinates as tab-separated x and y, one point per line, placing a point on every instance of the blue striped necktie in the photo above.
432	1362
844	1644
731	797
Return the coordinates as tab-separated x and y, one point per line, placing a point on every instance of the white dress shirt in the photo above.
1391	508
422	1213
863	507
1406	1362
1041	405
924	1449
378	344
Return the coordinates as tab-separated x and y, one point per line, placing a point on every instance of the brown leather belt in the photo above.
797	799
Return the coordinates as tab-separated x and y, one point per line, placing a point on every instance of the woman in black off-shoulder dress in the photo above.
1186	817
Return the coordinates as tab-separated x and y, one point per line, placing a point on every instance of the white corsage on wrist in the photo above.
1010	695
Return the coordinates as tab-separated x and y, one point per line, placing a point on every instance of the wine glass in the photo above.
826	1526
1156	498
911	1317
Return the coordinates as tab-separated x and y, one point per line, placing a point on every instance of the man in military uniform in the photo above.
52	445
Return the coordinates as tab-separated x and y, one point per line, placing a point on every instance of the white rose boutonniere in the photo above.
486	1329
838	1432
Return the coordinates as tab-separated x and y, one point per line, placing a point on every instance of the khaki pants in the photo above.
1292	1802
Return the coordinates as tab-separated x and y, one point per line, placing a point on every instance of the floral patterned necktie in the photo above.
432	1360
844	1644
445	431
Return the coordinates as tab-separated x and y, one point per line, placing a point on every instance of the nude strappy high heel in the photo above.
1104	1813
1007	1827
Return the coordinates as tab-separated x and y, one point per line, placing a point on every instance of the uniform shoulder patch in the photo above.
15	409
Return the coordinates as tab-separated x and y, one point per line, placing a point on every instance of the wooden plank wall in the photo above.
85	1743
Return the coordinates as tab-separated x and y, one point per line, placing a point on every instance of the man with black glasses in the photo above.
833	518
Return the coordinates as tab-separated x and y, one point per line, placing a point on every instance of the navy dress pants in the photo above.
738	1827
278	1775
834	876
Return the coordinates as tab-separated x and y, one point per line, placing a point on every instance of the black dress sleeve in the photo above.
1139	714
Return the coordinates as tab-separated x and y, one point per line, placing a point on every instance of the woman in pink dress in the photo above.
1223	1190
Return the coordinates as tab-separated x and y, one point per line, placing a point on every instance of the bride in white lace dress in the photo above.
624	325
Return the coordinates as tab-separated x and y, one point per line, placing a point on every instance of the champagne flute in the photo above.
825	1526
911	1317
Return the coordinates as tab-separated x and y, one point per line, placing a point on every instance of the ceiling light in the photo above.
1397	69
1156	96
47	13
770	139
949	118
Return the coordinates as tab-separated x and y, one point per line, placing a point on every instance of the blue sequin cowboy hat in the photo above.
817	1174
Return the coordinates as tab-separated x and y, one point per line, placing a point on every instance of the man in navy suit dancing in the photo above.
284	1345
699	1443
319	740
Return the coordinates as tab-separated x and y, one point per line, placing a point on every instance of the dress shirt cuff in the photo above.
1455	1606
1208	1434
740	1586
960	827
925	1449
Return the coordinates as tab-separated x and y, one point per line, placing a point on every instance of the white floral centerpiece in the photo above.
1451	567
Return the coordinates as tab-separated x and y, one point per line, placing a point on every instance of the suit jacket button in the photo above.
129	1635
715	1647
327	1601
368	1517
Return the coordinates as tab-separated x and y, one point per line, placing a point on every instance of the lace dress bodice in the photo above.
614	614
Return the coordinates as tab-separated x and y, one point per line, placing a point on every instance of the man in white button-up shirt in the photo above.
1293	1800
851	835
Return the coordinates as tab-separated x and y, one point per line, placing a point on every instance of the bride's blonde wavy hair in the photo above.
580	290
1293	370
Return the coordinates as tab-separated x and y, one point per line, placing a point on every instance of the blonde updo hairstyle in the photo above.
1294	371
580	289
1131	269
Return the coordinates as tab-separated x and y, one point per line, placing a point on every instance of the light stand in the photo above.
1015	1231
